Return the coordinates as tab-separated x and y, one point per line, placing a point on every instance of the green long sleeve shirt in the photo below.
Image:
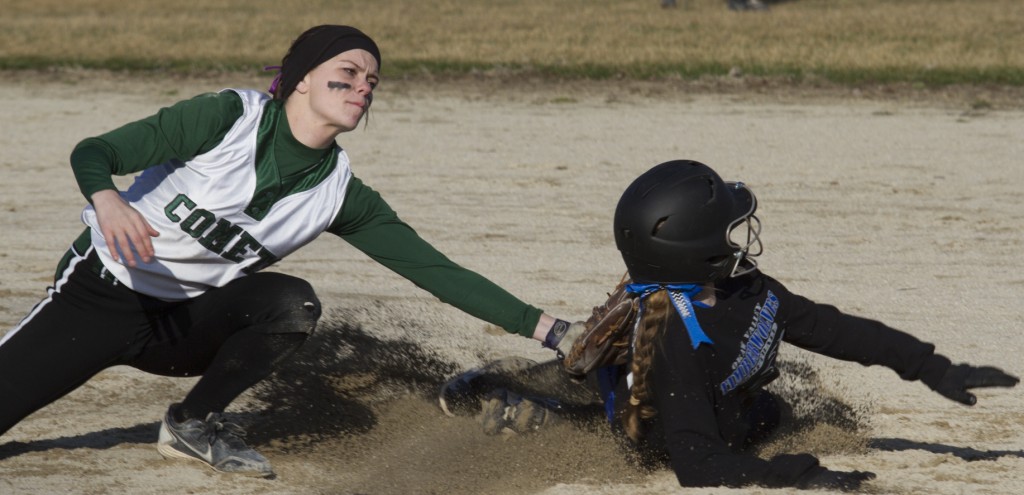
192	127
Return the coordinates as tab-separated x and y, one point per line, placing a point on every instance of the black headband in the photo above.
316	46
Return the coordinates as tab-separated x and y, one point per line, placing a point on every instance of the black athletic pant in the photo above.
232	336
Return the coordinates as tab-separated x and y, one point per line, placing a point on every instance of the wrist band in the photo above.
555	335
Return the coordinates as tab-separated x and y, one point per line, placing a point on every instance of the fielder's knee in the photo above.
297	308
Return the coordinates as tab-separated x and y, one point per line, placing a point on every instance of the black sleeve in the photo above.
699	454
823	329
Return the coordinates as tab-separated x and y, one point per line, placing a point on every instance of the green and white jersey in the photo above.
211	211
231	190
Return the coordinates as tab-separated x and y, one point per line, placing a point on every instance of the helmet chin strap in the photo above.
681	296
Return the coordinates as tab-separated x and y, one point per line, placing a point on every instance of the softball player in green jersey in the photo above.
166	276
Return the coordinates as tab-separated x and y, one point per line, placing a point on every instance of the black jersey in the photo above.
702	394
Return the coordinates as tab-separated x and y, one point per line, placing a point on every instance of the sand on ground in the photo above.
906	210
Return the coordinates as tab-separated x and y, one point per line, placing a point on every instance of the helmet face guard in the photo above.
681	223
748	245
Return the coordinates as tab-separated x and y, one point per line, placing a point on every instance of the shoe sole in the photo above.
450	397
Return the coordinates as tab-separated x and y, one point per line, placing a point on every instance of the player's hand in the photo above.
821	478
125	229
960	378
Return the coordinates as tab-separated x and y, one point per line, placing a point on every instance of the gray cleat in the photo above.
503	411
214	442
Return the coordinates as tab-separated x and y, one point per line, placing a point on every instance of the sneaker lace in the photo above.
216	427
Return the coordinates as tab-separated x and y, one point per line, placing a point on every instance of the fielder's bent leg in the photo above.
234	337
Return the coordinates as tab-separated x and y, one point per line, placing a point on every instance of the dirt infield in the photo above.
901	207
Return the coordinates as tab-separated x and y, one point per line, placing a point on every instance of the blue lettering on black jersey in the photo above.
759	347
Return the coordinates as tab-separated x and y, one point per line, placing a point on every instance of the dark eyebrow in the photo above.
360	67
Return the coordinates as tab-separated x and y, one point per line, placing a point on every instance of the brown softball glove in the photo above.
606	335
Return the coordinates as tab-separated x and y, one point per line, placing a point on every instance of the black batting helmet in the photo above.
674	224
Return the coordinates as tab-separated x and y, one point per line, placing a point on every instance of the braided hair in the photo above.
652	325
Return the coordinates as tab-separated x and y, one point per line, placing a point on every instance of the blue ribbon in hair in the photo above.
680	295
